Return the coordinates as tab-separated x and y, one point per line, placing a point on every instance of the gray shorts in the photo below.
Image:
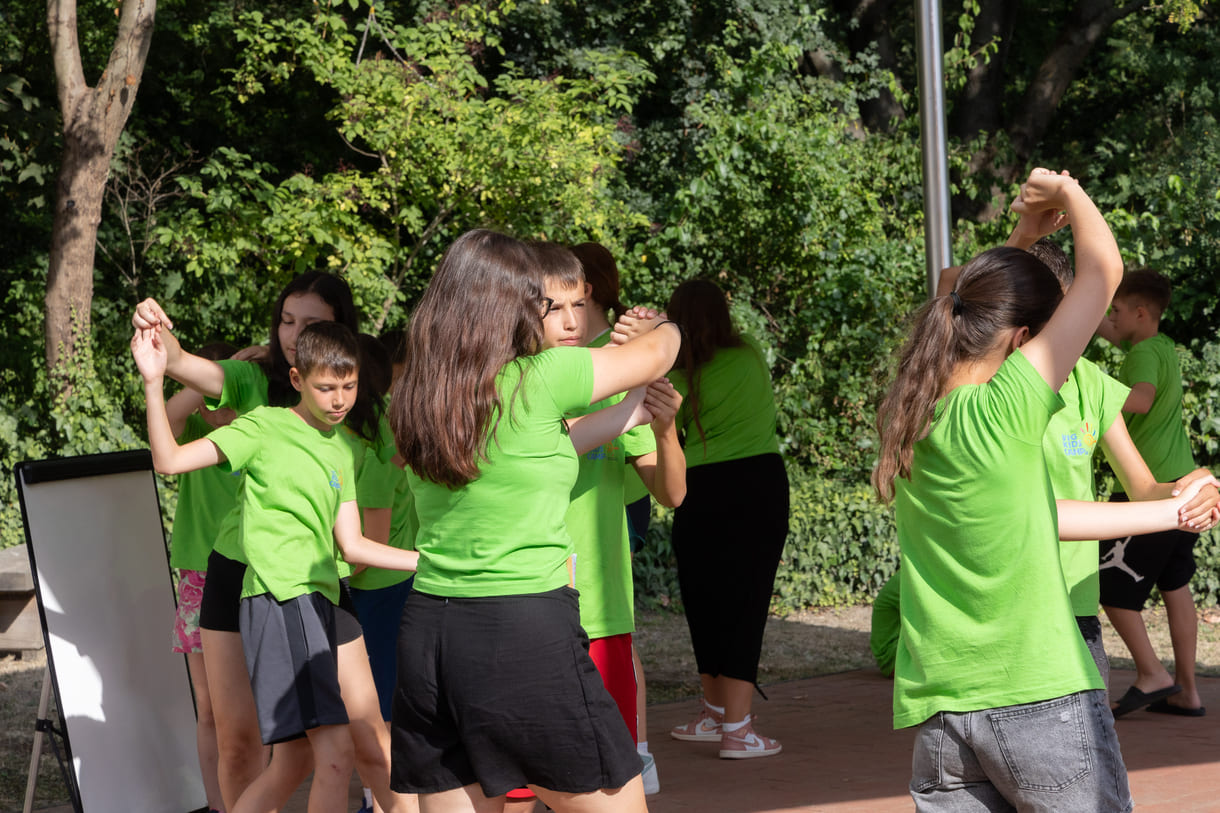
1054	755
290	655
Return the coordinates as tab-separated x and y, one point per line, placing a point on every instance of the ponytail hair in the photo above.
702	309
482	310
601	273
998	290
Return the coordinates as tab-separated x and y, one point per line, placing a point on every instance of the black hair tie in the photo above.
957	303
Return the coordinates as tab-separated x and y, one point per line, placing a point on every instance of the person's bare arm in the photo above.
200	374
168	456
1080	520
1140	399
589	431
179	408
663	472
1099	269
1139	484
377	524
359	550
638	362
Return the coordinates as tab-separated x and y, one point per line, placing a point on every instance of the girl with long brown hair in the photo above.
495	686
990	664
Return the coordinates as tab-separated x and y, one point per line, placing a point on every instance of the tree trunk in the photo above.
93	118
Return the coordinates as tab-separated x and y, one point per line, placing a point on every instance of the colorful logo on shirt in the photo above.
336	480
611	450
1080	444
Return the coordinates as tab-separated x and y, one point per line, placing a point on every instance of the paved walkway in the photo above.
841	756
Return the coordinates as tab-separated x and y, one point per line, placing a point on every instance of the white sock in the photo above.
368	798
642	748
717	709
730	727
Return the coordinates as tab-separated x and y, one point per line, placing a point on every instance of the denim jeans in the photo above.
1090	630
1055	755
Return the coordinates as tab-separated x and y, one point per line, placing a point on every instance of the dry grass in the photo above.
798	646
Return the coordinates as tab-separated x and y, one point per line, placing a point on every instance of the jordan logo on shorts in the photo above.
1114	558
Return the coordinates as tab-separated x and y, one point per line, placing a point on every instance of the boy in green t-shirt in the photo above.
1131	567
299	502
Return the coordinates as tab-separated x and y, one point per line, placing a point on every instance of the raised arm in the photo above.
168	456
638	362
664	471
359	550
1031	227
200	374
1099	268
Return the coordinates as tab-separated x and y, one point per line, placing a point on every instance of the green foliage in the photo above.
841	548
841	545
83	418
438	145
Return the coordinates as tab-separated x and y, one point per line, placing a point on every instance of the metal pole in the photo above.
936	205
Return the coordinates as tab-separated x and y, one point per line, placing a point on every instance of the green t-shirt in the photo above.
296	479
381	484
503	532
736	407
597	522
244	389
986	619
1092	402
886	623
1158	434
205	497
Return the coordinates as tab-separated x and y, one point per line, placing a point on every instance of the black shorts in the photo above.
347	621
1131	567
290	655
501	691
218	610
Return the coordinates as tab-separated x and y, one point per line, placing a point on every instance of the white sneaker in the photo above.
651	783
745	744
704	728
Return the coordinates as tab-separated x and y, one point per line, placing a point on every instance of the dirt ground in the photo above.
797	646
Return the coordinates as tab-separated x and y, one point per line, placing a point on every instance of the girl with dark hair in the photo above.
735	516
245	385
496	689
990	663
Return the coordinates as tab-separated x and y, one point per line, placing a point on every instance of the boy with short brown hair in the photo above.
1131	567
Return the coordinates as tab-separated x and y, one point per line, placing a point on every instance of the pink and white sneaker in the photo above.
704	728
745	744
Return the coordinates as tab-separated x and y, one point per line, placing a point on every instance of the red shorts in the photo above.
612	656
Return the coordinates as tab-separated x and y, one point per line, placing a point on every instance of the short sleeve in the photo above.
240	441
566	373
1019	400
1141	366
639	441
1111	398
244	389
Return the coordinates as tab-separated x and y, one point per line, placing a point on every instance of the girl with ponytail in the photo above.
1011	710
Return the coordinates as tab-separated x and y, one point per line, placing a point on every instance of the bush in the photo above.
841	548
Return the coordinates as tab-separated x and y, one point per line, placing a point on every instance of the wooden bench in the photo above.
20	627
